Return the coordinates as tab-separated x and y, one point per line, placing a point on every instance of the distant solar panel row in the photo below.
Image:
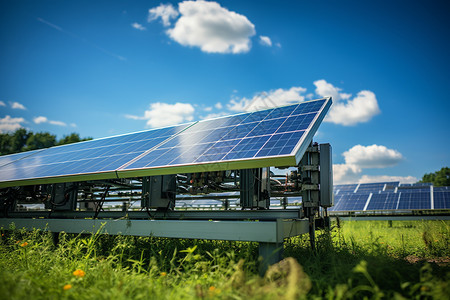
269	137
416	200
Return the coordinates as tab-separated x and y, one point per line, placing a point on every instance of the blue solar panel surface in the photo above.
390	196
276	132
94	156
441	199
273	132
414	200
383	201
350	202
7	159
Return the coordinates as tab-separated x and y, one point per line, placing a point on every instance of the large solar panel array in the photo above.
271	137
386	196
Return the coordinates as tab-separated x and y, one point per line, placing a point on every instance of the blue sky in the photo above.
102	68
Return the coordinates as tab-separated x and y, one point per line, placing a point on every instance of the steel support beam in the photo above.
271	214
393	218
262	231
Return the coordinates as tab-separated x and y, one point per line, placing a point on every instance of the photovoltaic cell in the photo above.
414	200
268	133
96	156
350	202
375	187
441	198
7	159
395	196
383	201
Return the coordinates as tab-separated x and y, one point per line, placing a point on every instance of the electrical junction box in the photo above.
63	197
326	176
159	192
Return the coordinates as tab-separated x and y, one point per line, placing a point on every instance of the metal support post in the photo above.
255	188
312	232
269	254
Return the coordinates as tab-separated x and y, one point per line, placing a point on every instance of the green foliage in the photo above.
23	140
355	260
71	138
40	140
438	178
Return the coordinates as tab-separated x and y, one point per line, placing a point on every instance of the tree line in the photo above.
24	140
438	178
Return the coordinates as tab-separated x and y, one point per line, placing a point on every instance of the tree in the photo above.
19	140
438	178
14	142
40	140
72	138
24	140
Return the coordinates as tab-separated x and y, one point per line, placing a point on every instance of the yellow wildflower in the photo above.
67	287
79	273
24	244
163	274
212	288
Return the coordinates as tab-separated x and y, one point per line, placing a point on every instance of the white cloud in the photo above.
208	108
269	99
218	105
358	110
212	28
17	105
164	11
374	156
164	114
265	40
57	123
214	115
386	178
346	111
361	157
10	124
325	89
2	103
42	119
133	117
343	174
138	26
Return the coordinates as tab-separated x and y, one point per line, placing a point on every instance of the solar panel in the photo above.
7	159
350	202
441	198
383	201
98	159
272	137
414	200
390	196
375	187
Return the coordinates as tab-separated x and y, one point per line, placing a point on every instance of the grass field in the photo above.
356	259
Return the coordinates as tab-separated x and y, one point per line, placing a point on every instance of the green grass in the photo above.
364	259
